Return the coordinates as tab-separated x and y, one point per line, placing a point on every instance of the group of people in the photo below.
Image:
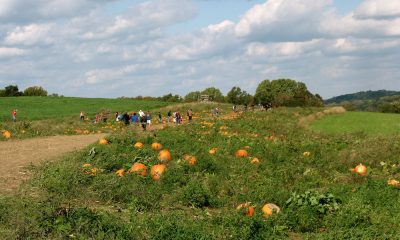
145	118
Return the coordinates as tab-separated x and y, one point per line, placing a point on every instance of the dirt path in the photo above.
18	154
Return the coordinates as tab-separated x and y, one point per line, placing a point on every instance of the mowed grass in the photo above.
357	122
38	108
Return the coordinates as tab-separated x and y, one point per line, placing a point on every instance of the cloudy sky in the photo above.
112	48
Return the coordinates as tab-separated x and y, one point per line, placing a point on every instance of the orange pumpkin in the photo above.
249	210
86	165
360	169
156	146
103	141
393	182
241	153
190	159
212	151
138	145
255	161
120	172
139	168
164	156
269	208
157	170
6	134
92	171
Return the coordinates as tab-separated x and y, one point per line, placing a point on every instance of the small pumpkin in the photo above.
212	151
139	168
360	169
269	209
157	170
156	146
190	159
164	156
255	161
248	209
241	153
120	172
393	182
103	141
92	171
6	134
306	154
138	145
86	165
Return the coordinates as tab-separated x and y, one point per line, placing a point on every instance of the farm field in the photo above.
39	108
359	122
306	173
48	116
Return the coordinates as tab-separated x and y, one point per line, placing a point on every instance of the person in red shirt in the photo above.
14	115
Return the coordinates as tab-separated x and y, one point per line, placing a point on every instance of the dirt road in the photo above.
16	155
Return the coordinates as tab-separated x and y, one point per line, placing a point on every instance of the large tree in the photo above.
285	92
214	93
35	91
237	96
192	96
12	91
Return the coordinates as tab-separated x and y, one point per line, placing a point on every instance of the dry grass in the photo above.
305	121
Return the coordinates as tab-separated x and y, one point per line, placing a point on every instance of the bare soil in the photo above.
17	155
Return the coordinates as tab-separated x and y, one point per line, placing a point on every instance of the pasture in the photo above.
359	122
91	194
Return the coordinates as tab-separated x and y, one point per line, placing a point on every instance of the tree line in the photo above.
269	93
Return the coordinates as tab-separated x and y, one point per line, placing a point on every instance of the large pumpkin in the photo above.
6	134
164	156
270	208
156	146
103	141
190	159
138	145
157	170
139	168
248	209
360	169
241	153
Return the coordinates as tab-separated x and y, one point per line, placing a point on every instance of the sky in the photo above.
114	48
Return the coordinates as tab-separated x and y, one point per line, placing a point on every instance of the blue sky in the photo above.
112	48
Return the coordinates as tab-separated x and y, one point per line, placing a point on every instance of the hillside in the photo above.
365	95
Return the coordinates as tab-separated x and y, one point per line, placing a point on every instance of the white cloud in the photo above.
30	35
378	9
11	52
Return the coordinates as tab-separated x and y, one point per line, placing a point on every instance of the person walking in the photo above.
168	116
148	118
190	114
143	121
14	115
159	117
82	115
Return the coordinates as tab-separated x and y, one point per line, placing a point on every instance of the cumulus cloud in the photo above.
378	9
30	35
11	52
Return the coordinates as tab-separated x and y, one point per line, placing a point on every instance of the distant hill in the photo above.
368	95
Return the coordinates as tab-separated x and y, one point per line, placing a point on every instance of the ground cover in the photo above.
39	108
361	122
306	174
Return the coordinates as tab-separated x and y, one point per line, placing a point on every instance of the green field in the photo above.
359	122
36	108
319	197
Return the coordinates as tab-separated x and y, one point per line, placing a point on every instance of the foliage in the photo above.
239	97
199	202
366	95
214	93
192	96
11	91
285	92
35	91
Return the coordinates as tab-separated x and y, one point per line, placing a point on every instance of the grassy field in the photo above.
359	122
38	108
303	172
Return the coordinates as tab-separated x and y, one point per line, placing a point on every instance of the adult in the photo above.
116	116
14	115
178	118
134	118
82	115
141	113
190	114
168	116
159	117
143	121
126	118
148	118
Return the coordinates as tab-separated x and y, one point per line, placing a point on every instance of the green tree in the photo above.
285	92
192	96
237	96
3	93
214	93
12	91
35	91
